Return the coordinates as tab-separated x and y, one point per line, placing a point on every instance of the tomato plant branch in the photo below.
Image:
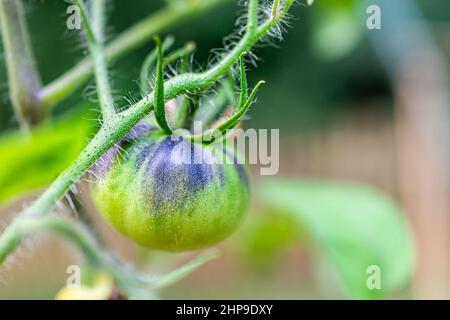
96	256
25	226
131	282
130	39
23	77
116	126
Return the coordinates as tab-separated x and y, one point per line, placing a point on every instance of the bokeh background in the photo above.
352	104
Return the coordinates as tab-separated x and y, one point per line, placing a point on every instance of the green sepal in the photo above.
160	100
209	135
147	66
244	85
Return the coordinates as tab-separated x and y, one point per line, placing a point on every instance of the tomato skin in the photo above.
153	196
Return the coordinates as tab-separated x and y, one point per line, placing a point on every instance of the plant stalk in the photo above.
95	37
23	77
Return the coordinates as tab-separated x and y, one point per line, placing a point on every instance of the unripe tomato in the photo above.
153	195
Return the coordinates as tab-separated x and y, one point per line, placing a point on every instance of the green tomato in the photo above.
173	195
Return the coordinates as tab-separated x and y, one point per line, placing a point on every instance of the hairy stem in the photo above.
252	16
23	77
129	40
102	142
131	282
24	227
95	36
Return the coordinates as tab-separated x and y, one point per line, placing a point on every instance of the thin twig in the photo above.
23	76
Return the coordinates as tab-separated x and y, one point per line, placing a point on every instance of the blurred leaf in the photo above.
32	162
337	30
265	238
354	226
182	272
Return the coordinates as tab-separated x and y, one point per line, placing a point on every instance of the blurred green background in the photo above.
346	110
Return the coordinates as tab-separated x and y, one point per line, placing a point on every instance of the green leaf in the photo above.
32	162
264	240
354	227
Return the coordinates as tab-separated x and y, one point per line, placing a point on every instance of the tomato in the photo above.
171	194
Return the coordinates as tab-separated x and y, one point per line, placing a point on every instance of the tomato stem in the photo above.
94	35
23	76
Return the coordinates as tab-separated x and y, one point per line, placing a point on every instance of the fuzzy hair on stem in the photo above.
94	36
